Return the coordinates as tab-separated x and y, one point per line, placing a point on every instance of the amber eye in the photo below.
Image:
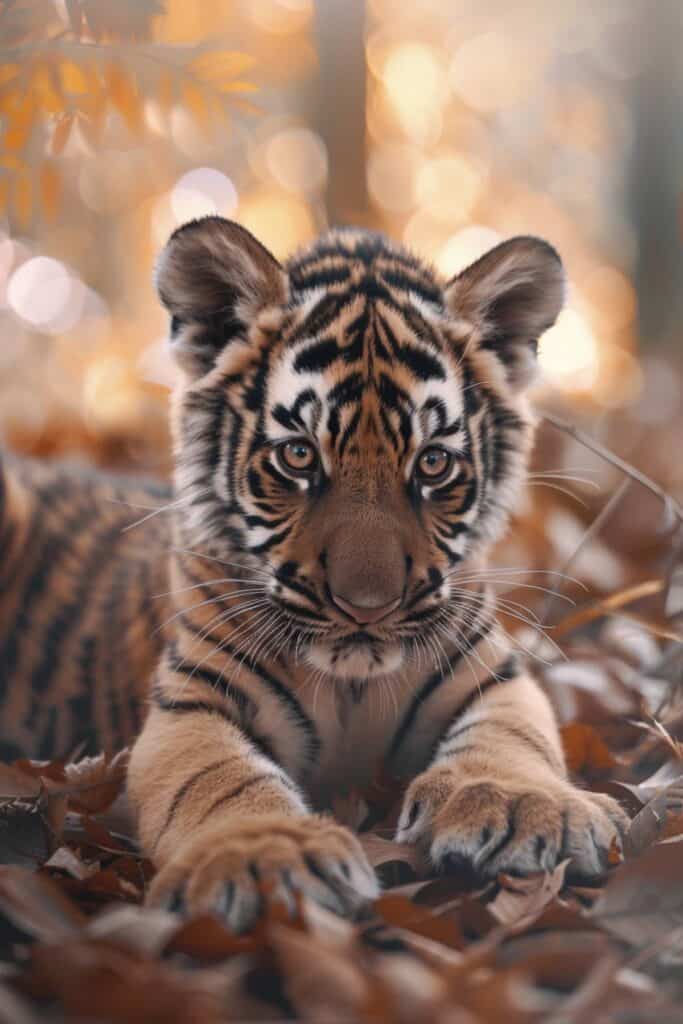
434	464
298	456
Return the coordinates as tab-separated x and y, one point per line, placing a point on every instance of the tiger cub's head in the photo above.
351	428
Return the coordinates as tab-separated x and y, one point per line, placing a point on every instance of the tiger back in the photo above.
80	619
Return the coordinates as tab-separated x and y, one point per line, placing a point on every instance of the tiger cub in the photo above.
351	434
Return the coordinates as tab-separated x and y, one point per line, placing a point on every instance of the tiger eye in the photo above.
434	464
299	456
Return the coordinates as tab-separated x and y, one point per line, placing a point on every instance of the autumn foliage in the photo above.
65	69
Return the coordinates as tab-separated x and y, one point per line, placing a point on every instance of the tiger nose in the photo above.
365	614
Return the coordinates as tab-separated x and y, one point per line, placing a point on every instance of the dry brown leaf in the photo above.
643	899
521	900
384	851
401	912
94	783
67	860
35	905
586	752
85	975
320	983
660	818
18	784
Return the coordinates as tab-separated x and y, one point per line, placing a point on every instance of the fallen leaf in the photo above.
35	905
521	900
643	899
585	751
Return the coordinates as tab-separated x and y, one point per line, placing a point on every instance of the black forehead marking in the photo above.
368	261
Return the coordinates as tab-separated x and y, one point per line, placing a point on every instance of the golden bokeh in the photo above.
480	123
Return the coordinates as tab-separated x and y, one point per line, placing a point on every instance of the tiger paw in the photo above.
228	868
485	825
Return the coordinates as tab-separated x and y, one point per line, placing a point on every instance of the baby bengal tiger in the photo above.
351	434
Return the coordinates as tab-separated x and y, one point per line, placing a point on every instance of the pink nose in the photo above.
365	614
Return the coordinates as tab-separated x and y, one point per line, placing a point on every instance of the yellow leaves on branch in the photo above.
221	69
123	94
59	85
50	188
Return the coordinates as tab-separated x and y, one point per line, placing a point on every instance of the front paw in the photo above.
485	825
228	868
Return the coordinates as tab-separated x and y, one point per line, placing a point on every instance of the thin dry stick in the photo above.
670	503
588	613
671	506
592	531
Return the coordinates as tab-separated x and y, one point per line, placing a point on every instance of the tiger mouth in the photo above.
357	656
361	636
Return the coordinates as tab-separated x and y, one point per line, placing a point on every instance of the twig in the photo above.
669	502
592	531
582	616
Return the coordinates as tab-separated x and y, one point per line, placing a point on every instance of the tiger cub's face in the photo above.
352	429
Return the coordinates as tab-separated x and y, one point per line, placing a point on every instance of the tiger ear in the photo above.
214	278
511	296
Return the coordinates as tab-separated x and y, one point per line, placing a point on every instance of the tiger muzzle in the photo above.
366	569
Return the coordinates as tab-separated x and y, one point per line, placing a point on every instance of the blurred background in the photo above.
449	124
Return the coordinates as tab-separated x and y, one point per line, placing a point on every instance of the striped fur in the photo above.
79	631
351	434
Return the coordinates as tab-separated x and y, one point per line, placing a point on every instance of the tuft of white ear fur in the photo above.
511	296
214	278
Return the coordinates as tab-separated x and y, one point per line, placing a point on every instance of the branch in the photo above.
592	531
670	503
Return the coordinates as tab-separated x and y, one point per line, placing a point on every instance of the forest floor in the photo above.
77	942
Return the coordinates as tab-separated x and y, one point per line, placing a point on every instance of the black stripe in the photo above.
284	694
190	707
215	680
234	793
102	550
317	356
186	788
433	683
304	279
533	738
45	565
423	365
503	673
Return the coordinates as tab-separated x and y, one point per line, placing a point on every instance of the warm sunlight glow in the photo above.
200	192
494	71
297	160
280	221
464	248
412	78
44	294
568	352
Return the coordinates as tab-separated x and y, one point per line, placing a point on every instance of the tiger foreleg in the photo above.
496	796
226	826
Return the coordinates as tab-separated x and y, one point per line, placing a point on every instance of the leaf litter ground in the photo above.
78	944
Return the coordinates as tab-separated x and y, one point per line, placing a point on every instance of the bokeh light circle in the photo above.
40	291
201	192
